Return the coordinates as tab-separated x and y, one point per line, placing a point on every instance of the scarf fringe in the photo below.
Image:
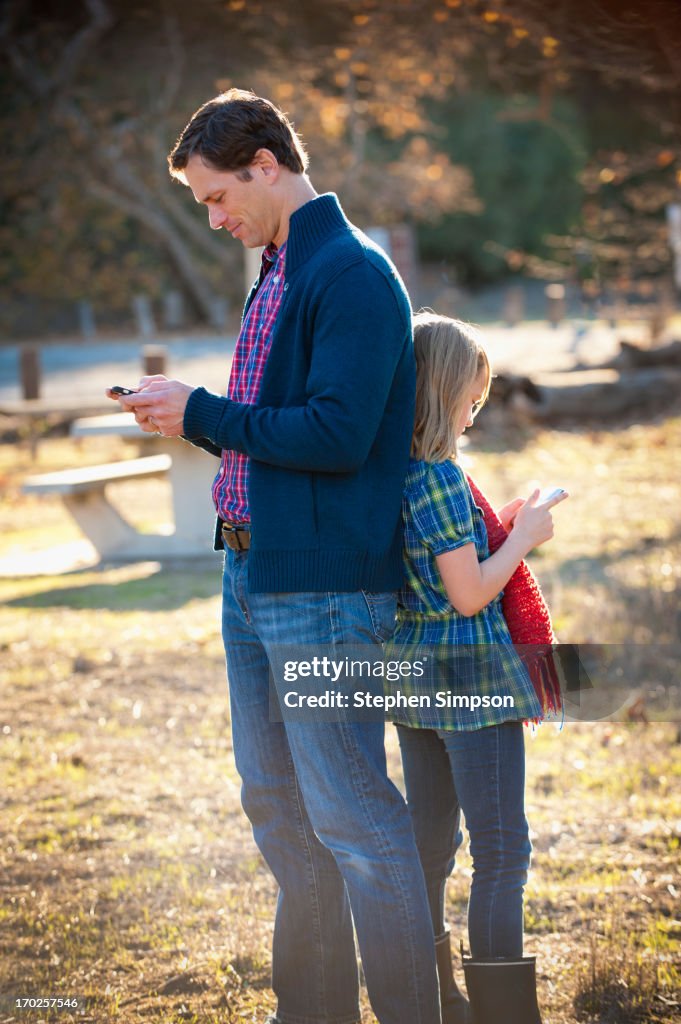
527	616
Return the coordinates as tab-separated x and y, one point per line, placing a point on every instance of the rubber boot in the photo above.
502	990
454	1006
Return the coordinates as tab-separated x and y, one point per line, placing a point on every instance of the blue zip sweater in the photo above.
330	434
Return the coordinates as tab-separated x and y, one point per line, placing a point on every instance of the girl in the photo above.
466	754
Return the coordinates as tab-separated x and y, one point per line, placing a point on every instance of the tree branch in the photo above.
166	233
37	80
73	55
197	232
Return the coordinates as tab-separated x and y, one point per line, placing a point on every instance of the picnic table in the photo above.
84	492
34	411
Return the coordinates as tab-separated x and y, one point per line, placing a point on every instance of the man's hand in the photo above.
158	405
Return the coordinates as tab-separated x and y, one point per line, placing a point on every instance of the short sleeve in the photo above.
440	508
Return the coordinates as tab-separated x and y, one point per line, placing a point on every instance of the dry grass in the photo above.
129	873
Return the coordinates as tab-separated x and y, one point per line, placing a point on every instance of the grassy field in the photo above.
129	875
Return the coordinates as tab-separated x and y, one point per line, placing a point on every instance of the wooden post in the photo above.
144	316
555	301
86	319
155	358
404	255
514	305
252	264
218	313
173	310
29	370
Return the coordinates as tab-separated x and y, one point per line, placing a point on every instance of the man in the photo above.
314	440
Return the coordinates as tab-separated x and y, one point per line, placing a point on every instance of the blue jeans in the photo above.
481	773
332	827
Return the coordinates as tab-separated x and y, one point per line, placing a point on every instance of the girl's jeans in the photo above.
332	827
481	773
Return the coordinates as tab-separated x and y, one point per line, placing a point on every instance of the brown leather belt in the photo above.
236	536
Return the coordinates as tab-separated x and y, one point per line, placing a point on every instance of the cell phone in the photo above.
549	495
118	390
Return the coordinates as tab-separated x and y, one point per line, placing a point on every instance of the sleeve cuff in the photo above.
203	414
444	544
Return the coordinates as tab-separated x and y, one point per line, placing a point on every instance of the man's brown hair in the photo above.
227	131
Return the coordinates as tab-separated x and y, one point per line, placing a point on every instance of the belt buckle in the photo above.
230	536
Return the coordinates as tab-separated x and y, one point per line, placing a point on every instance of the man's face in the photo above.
244	208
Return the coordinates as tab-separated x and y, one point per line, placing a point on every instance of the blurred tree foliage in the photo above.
517	135
527	176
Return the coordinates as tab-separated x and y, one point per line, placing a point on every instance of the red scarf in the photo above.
526	614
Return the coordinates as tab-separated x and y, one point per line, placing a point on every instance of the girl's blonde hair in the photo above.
449	357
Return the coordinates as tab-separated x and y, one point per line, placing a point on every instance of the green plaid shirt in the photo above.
470	661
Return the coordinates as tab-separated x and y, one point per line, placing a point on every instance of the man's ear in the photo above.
267	164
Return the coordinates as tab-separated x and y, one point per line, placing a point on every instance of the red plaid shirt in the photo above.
230	487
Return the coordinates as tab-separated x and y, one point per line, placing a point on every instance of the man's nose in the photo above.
216	217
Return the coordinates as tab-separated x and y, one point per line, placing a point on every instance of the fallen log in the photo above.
600	395
508	386
597	395
634	357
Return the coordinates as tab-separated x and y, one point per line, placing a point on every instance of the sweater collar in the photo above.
310	225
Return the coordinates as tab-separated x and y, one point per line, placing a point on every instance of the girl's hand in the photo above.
533	523
507	514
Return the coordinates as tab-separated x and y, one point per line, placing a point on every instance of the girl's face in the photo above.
473	398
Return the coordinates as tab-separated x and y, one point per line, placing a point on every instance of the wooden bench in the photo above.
83	491
190	477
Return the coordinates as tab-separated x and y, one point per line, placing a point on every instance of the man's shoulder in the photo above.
321	236
352	258
352	241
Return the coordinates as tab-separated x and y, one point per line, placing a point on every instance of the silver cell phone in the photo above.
118	390
547	495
